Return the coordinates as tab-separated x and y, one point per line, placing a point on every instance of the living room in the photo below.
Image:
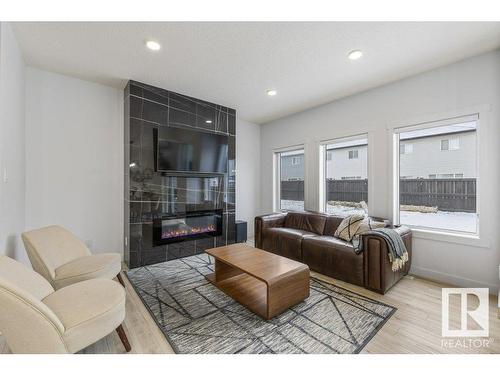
238	188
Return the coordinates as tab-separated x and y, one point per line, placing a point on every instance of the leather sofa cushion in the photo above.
308	221
331	225
333	257
286	242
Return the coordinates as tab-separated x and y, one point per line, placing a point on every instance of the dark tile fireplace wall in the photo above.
150	194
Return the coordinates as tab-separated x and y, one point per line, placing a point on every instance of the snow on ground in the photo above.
344	210
459	221
292	205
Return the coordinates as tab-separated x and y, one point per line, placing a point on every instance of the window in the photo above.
290	180
350	178
406	148
344	183
445	200
450	144
353	154
445	144
454	144
446	175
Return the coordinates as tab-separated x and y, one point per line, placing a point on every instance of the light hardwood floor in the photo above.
414	328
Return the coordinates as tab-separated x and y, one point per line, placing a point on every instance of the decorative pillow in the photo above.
349	227
368	224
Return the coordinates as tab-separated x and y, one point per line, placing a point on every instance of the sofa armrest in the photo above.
264	222
378	273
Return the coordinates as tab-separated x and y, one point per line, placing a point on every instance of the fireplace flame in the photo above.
188	231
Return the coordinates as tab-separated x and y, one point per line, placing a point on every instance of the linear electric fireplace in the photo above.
187	225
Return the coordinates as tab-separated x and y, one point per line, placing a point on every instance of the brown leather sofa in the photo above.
308	238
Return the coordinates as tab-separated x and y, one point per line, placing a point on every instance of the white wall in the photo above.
454	88
247	173
74	158
12	146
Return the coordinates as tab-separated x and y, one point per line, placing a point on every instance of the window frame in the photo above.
451	142
322	151
447	140
477	114
277	174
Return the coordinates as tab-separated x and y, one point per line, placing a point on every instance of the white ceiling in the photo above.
235	63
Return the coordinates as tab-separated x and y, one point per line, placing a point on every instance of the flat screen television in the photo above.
190	151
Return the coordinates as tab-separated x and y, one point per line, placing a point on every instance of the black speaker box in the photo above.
241	231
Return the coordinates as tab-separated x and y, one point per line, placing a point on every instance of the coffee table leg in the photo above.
287	291
224	271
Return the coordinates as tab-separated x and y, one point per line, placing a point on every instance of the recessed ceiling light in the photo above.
271	92
208	121
354	55
153	45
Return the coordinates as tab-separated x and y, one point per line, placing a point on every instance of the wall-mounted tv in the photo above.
190	151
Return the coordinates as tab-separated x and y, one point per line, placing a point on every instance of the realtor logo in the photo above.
477	316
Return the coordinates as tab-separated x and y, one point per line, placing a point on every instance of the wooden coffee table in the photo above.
265	283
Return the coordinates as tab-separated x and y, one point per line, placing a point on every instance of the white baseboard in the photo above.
452	279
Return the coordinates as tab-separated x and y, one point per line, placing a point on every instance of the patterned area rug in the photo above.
196	317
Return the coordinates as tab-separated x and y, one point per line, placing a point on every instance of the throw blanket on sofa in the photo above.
398	255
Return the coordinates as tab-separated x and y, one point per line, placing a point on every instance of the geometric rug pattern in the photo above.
196	317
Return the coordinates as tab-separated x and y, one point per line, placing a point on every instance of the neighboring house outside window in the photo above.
422	158
296	160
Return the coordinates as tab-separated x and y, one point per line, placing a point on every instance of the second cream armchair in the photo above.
61	258
36	319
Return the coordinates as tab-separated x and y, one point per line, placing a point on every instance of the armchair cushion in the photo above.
105	266
88	310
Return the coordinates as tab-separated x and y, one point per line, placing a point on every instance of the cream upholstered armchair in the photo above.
36	319
60	257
